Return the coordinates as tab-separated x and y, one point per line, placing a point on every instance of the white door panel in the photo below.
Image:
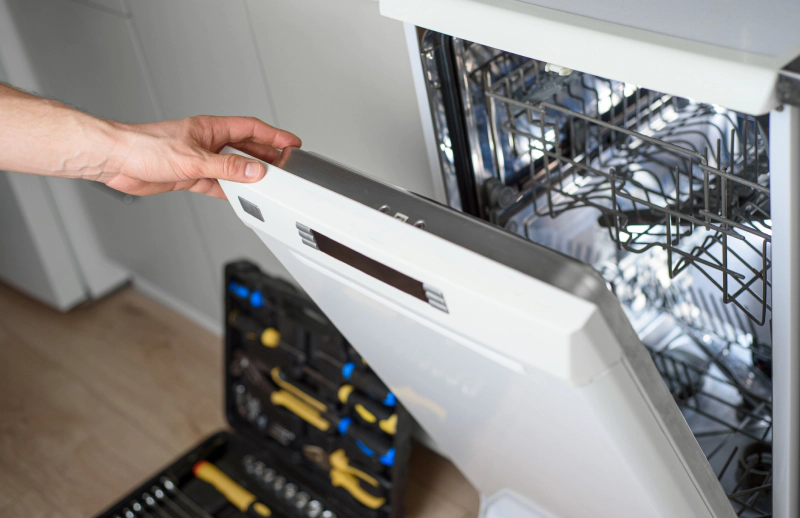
116	7
516	360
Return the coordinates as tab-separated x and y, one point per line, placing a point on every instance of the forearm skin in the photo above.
45	137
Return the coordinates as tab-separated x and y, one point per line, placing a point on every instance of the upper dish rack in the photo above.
660	171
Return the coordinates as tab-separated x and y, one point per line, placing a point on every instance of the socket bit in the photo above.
239	392
301	499
139	510
328	514
188	502
313	509
261	422
249	463
253	408
289	491
280	434
278	483
157	510
269	476
258	469
174	508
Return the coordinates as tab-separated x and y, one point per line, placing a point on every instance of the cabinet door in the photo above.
84	56
36	258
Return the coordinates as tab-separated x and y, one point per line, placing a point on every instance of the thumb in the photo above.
232	167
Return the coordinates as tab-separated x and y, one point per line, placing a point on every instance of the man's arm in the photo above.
46	137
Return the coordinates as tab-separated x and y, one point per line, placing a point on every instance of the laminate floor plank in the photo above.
152	364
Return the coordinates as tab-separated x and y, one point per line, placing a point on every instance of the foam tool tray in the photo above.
314	432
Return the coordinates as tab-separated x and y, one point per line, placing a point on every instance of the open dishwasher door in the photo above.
517	360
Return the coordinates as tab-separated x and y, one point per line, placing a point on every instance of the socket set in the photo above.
289	491
314	431
164	499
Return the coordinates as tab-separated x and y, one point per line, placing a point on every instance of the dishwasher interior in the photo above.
666	197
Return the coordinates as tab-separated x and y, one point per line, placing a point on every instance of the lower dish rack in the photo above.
667	197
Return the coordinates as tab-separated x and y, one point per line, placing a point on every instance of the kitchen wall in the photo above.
334	72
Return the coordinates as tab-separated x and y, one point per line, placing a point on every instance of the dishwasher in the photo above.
588	329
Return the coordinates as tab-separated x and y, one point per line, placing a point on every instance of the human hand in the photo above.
45	137
183	154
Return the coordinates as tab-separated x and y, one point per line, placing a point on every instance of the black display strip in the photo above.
369	266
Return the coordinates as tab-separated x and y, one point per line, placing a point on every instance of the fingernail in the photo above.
252	170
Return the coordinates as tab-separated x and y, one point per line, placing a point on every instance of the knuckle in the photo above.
200	127
193	122
201	122
256	123
230	165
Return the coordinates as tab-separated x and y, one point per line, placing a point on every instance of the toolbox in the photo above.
314	432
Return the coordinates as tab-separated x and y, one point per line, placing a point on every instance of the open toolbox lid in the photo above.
517	360
725	53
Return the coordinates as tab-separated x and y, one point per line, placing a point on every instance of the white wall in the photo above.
334	72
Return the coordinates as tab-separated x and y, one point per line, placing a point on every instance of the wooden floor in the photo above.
95	400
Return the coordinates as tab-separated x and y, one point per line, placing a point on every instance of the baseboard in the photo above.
159	295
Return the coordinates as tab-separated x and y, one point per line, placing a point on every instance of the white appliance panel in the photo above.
543	396
725	64
765	27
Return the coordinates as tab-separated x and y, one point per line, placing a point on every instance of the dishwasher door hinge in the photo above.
789	83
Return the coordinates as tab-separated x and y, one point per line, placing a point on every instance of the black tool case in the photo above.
346	457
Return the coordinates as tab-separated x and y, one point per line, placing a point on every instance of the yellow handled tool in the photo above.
347	477
239	497
300	408
285	385
370	411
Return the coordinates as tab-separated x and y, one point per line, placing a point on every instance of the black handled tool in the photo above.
350	373
366	381
269	337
